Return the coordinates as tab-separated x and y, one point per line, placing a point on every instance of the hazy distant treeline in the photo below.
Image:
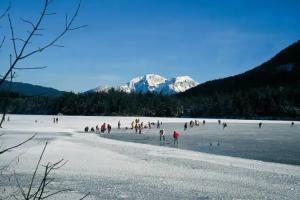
267	102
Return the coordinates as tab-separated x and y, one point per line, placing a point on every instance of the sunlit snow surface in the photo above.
113	169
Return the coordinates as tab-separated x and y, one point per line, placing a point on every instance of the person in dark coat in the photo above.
108	128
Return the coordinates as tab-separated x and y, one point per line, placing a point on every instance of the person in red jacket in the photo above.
103	128
176	135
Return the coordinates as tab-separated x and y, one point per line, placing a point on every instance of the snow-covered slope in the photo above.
179	84
101	88
154	83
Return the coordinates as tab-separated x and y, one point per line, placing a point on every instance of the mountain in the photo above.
281	70
153	83
30	90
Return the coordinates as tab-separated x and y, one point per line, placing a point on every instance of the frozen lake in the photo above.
273	142
114	169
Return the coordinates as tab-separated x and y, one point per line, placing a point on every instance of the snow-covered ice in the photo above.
112	169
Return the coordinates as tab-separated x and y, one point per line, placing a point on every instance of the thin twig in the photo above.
5	150
2	42
6	11
27	21
85	196
28	68
12	35
35	171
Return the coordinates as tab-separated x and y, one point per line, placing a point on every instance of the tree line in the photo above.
265	102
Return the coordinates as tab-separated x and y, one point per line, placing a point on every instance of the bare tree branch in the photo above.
19	186
27	68
5	12
35	171
19	39
10	148
2	42
67	28
27	21
12	35
36	27
85	196
55	193
48	14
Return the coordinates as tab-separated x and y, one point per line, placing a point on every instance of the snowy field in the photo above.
114	169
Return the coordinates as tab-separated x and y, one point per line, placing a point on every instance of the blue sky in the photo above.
204	39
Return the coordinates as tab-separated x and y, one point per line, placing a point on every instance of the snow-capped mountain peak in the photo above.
154	83
101	88
181	84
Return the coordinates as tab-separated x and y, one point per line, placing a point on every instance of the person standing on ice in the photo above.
162	134
260	125
103	127
176	135
136	128
158	124
108	128
140	127
119	124
224	125
133	124
185	125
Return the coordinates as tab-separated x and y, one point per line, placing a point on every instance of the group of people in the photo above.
102	128
55	120
176	135
193	123
139	126
135	125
